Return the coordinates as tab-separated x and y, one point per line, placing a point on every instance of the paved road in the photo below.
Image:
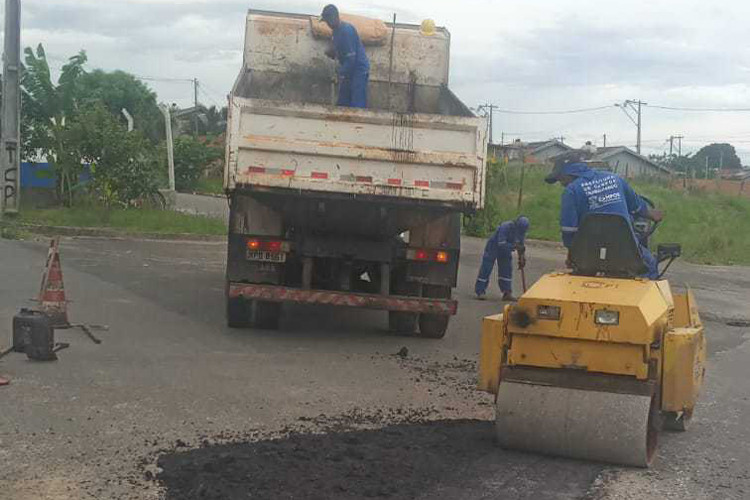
169	374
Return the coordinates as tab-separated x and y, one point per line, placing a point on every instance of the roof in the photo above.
541	146
534	146
603	154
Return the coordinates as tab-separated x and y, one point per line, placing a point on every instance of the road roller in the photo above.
594	362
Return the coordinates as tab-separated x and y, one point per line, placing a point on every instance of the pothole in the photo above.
739	323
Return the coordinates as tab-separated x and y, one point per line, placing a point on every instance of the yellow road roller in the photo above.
594	362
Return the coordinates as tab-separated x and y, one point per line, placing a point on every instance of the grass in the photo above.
210	185
712	228
141	220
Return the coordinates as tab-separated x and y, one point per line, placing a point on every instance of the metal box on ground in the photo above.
33	335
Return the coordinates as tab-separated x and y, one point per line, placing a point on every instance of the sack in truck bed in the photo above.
371	31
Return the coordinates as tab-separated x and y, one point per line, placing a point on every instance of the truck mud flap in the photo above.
273	293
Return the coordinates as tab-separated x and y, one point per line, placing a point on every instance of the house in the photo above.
627	163
736	175
543	151
530	152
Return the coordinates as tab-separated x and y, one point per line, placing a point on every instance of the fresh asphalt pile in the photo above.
394	453
393	462
431	459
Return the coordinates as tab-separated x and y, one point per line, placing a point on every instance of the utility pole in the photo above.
490	109
679	144
10	110
638	145
706	166
671	144
635	107
128	118
170	145
605	141
195	104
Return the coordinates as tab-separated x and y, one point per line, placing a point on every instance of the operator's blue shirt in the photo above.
596	192
509	235
350	51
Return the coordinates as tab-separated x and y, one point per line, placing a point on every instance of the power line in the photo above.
563	112
158	79
214	92
207	96
710	110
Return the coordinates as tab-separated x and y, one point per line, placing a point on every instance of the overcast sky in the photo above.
533	55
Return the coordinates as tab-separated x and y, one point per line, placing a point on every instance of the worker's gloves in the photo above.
331	53
521	260
656	215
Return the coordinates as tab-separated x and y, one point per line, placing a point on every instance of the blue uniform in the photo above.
600	193
354	67
507	237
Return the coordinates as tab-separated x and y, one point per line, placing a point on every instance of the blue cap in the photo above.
575	169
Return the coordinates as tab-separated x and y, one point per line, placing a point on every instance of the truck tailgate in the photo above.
312	147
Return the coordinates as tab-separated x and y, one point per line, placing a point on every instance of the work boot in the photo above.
508	297
481	296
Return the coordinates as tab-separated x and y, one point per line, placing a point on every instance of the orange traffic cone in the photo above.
52	294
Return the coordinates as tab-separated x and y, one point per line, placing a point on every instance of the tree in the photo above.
719	155
124	165
118	90
191	157
213	120
47	110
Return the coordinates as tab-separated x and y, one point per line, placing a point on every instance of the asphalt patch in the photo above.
439	459
393	462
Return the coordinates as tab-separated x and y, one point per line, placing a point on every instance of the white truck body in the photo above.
314	146
341	206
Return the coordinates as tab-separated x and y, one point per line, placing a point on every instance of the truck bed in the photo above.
332	149
416	141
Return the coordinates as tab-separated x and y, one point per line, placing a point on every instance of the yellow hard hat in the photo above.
428	27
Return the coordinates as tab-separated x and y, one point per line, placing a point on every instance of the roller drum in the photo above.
576	423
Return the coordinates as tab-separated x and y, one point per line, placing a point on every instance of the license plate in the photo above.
266	256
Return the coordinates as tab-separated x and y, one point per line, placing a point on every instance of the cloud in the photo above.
524	55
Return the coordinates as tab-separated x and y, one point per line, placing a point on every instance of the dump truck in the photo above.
341	206
594	362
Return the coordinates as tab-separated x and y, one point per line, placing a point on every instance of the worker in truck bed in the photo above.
508	236
354	67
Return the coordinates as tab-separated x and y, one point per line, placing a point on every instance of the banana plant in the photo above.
48	109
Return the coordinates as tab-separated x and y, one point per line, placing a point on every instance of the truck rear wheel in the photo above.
267	315
238	313
434	326
402	322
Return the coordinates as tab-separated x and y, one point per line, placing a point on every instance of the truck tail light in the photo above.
421	255
274	246
426	255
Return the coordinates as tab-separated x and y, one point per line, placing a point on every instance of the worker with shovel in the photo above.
509	236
